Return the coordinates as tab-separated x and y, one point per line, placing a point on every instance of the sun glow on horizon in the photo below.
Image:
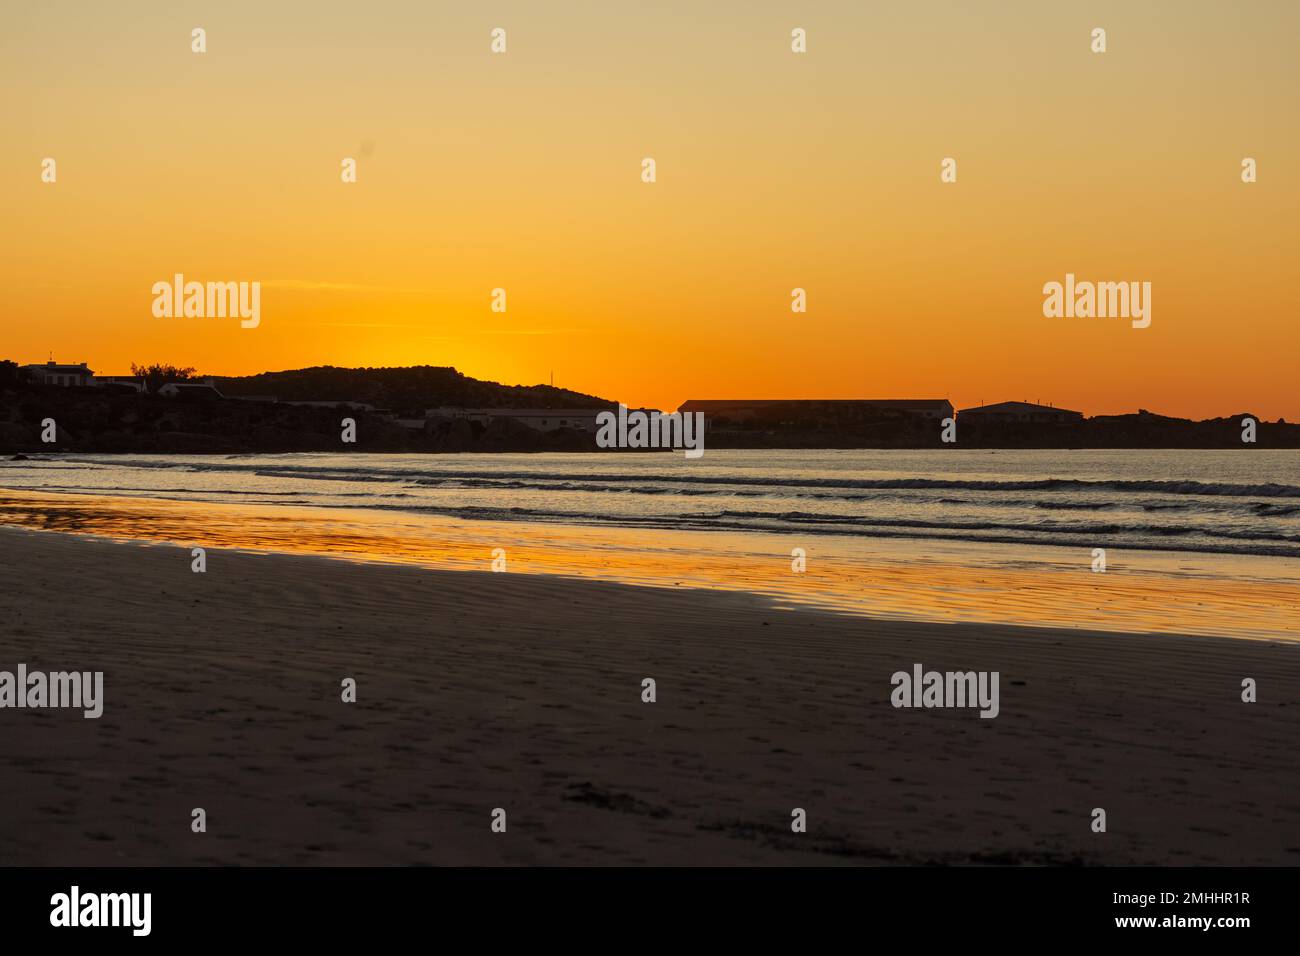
774	171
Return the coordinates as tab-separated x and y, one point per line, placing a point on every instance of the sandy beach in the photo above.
478	690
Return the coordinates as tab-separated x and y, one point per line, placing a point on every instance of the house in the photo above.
52	373
197	390
540	419
1019	413
386	414
928	409
351	406
134	383
818	412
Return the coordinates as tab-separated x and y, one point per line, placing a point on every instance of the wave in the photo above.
595	480
1165	538
1165	513
1073	505
1042	527
1184	487
1276	511
199	494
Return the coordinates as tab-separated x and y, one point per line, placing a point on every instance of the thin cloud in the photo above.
468	332
311	285
364	325
423	325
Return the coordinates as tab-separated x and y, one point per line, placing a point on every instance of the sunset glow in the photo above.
774	172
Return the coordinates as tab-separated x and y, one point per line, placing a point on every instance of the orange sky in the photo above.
775	170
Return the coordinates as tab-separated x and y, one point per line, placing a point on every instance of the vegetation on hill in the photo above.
406	391
107	419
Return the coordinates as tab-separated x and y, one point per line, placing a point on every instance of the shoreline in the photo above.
479	690
1240	596
935	538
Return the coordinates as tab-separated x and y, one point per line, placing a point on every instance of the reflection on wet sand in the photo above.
1251	597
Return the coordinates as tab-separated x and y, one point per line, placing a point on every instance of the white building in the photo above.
122	381
540	419
353	406
52	373
830	410
203	389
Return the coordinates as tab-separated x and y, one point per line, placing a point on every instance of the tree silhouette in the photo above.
157	375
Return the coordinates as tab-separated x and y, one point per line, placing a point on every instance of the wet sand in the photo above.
479	690
1217	595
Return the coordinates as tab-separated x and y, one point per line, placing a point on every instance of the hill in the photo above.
113	419
406	391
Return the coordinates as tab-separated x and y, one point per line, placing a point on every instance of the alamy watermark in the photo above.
946	689
75	909
211	300
654	430
38	689
1102	300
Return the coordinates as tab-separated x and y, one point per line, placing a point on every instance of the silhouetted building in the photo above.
133	383
831	412
340	403
819	409
1019	413
539	419
52	373
200	390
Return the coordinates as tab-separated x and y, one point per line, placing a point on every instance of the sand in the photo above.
480	690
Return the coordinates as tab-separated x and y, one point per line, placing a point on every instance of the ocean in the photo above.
1191	542
1225	502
